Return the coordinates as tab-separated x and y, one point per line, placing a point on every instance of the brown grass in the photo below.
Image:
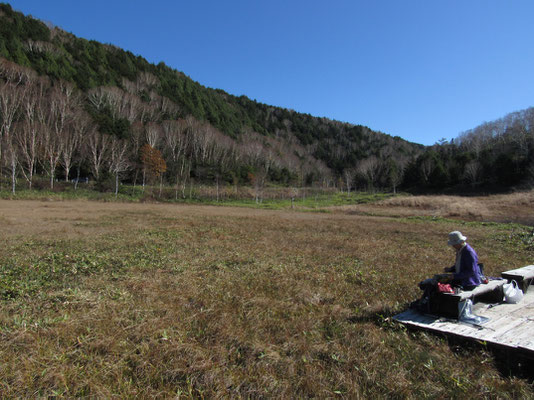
517	207
209	302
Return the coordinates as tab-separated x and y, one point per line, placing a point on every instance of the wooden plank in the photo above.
524	312
510	325
527	271
523	335
523	276
504	328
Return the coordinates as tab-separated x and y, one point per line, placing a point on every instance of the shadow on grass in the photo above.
509	362
382	318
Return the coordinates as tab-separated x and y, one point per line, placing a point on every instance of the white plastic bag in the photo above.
512	294
465	314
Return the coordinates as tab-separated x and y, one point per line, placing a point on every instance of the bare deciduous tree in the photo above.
26	136
50	145
71	140
369	170
11	98
12	159
396	170
61	101
121	104
153	134
14	73
129	86
472	172
98	98
426	168
118	160
137	131
326	175
27	133
176	144
98	145
348	175
146	81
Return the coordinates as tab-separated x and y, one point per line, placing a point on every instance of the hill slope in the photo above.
122	92
492	157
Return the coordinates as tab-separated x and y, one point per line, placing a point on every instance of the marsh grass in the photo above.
513	207
165	301
274	198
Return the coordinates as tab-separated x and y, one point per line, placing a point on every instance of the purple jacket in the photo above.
469	274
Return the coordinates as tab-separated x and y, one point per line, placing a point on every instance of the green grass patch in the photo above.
32	275
312	202
128	193
69	193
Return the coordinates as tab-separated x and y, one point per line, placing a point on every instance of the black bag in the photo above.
429	287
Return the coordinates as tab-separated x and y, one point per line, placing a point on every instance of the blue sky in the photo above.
419	69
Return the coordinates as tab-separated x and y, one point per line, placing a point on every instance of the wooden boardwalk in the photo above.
510	325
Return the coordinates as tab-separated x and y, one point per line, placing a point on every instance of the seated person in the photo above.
466	272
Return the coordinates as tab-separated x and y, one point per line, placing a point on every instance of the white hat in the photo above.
456	237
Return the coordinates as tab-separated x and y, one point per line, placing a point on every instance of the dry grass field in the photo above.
516	207
122	300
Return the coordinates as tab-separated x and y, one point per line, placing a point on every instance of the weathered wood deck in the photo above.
510	325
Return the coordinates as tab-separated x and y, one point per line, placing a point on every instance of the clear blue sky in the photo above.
419	69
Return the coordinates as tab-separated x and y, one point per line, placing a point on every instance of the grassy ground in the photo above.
273	198
513	207
165	300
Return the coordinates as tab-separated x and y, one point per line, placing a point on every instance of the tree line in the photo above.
49	127
115	84
73	107
494	156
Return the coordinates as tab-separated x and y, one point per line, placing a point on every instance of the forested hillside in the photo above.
73	108
85	103
494	156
